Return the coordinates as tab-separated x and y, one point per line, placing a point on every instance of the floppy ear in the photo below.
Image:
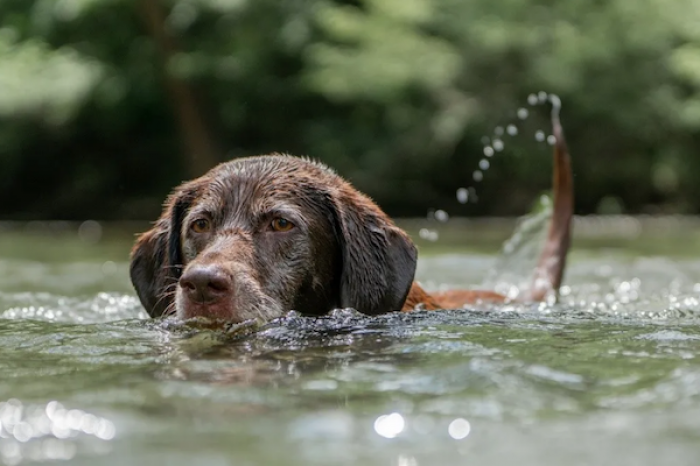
379	259
156	258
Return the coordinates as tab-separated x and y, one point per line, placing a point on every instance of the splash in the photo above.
103	307
512	272
495	143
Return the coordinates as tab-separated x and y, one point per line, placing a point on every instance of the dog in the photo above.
257	237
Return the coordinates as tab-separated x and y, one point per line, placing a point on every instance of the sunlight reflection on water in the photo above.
102	307
389	425
46	433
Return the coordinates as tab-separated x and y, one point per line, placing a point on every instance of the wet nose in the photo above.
205	283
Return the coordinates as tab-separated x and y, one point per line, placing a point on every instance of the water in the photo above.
494	144
610	376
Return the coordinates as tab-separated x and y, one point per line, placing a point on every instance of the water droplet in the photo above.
484	164
532	99
542	96
463	195
498	131
441	216
539	136
551	140
498	145
485	140
478	175
428	235
555	100
512	130
523	113
488	151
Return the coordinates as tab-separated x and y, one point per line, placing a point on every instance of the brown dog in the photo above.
256	237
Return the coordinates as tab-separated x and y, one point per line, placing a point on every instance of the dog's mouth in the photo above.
244	305
231	329
219	310
222	292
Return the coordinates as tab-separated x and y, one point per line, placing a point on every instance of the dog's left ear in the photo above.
156	258
379	259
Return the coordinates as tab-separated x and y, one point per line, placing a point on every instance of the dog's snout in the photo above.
206	283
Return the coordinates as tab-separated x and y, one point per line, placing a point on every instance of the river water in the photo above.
608	376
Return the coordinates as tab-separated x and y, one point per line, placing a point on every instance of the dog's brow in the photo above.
290	212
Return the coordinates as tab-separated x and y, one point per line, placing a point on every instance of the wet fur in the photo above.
344	253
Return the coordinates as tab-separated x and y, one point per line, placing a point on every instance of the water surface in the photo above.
609	376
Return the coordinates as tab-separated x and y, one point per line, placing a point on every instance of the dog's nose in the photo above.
205	283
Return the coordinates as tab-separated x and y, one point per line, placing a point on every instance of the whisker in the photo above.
168	292
170	309
172	280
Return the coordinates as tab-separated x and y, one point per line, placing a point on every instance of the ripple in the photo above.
103	307
66	278
614	364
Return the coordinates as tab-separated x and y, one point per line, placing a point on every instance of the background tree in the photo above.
106	104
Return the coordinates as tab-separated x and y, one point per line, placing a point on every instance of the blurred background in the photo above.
438	110
105	105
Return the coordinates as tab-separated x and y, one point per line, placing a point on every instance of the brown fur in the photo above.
343	252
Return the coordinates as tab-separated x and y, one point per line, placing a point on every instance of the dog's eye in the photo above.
281	225
201	225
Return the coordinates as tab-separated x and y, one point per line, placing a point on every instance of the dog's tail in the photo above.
550	266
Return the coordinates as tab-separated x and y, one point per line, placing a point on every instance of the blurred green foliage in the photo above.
107	104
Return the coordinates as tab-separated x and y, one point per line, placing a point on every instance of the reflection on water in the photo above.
610	375
57	308
51	432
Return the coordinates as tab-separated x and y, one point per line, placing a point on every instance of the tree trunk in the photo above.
200	152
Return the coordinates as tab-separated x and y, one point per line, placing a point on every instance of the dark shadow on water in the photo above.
290	346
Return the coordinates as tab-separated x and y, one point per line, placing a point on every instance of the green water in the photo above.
610	376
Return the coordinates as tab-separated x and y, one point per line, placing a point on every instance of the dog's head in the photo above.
259	236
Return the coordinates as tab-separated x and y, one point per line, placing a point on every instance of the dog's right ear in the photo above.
156	258
379	259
